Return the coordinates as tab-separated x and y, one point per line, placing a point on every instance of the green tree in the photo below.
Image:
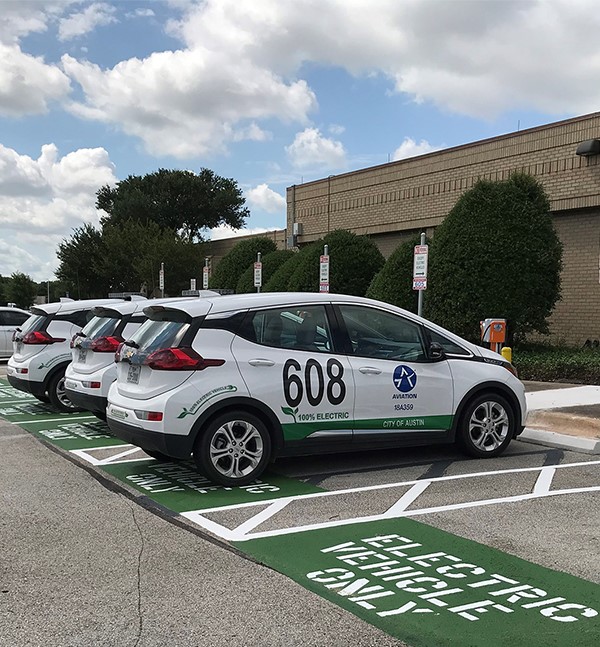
3	283
270	264
135	251
393	283
232	265
182	201
354	261
495	255
81	257
21	290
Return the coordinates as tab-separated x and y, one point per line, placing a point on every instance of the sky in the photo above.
270	93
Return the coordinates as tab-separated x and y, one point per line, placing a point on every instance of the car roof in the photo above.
72	306
239	302
14	309
129	307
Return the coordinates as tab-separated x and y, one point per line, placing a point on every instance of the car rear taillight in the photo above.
152	416
179	359
40	337
106	344
91	385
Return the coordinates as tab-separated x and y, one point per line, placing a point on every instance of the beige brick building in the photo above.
398	199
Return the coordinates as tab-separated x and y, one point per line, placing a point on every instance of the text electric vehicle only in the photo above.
41	350
240	380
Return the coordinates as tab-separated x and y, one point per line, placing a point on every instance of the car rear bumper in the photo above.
87	401
36	389
169	444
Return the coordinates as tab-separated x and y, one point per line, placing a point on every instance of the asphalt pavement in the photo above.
83	564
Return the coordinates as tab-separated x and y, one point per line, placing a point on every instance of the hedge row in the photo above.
558	364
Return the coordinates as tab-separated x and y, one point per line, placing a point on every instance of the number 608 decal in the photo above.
295	384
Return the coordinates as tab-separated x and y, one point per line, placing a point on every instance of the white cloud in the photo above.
336	129
21	17
310	149
27	84
77	24
187	103
42	200
224	231
264	198
410	148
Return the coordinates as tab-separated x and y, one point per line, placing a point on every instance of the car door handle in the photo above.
261	362
370	370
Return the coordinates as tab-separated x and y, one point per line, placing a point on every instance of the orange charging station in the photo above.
493	331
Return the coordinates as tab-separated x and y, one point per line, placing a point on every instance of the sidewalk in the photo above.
566	416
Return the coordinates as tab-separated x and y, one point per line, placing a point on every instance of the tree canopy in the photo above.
181	201
20	290
495	255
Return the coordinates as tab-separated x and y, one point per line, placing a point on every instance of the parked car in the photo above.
41	350
92	369
10	320
240	380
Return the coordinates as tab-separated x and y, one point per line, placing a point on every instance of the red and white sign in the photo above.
257	274
324	273
421	255
205	277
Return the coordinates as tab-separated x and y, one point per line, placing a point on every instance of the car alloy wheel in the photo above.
487	426
234	450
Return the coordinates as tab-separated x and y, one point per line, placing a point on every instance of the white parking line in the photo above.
398	509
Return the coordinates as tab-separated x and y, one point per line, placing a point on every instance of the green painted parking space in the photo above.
179	487
430	588
74	433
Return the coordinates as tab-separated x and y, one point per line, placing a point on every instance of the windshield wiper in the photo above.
131	343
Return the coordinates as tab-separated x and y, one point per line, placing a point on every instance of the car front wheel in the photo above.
487	426
234	449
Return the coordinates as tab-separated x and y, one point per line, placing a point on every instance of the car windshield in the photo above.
100	327
153	335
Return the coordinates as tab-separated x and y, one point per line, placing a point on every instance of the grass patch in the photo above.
557	363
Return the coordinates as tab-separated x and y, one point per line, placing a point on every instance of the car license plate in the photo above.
82	355
133	374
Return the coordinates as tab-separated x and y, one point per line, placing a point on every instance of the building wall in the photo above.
398	199
216	249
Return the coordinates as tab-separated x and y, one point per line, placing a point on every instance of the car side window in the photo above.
382	335
300	328
449	346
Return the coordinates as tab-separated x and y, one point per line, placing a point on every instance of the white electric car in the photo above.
92	369
10	320
240	380
41	349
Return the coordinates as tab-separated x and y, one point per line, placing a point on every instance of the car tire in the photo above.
234	449
486	426
42	398
58	396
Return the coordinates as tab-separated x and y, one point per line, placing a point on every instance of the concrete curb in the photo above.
562	441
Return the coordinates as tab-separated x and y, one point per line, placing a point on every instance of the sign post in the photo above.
421	254
258	272
324	270
205	271
192	284
161	279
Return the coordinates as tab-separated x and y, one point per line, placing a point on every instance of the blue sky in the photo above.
268	92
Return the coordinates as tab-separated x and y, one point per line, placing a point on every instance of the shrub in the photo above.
557	364
270	264
232	265
495	255
354	262
393	283
281	277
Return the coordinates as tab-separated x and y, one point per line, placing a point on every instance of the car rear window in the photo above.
153	335
35	322
100	327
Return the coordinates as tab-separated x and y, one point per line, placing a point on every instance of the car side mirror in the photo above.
436	352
